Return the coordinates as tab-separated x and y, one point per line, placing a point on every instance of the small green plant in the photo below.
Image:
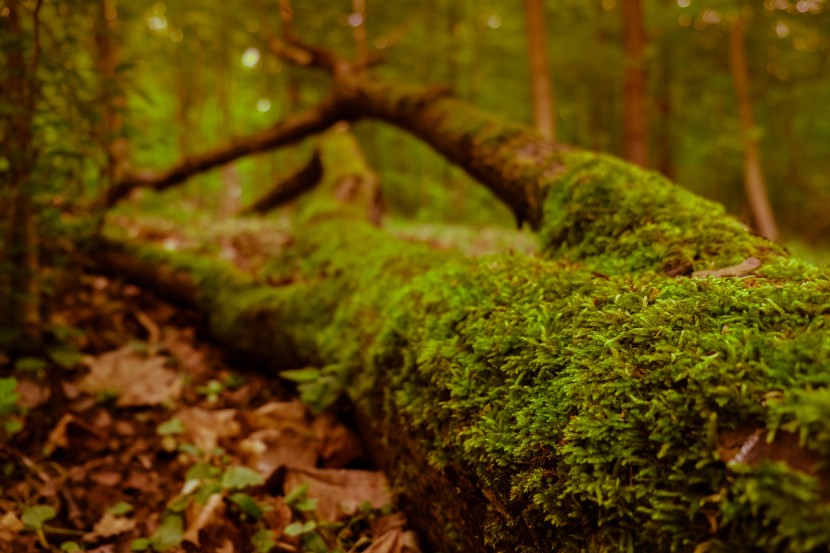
11	413
212	390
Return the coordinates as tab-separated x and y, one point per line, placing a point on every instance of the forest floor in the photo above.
138	434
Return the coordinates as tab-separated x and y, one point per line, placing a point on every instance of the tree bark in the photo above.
289	131
525	405
22	312
542	92
290	188
754	185
635	143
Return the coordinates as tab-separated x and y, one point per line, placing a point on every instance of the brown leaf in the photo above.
10	527
741	269
267	450
201	516
278	516
109	525
71	429
138	380
32	395
108	478
338	491
204	428
390	542
339	446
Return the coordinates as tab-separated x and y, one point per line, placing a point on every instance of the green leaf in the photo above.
263	541
202	471
8	395
237	478
247	504
30	365
120	508
71	547
169	534
307	504
170	427
296	494
299	528
141	544
34	516
309	374
66	358
191	449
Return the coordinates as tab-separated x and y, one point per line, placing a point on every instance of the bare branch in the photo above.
286	190
285	132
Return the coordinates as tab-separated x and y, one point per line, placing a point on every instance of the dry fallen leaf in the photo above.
136	379
32	395
204	428
340	492
201	516
267	450
339	446
390	542
61	435
10	527
109	525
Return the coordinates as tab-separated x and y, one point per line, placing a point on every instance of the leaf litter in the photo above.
138	435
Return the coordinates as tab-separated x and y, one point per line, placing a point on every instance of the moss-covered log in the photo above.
522	404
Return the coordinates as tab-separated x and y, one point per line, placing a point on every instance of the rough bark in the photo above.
527	405
754	185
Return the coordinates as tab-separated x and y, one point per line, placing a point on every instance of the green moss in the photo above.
585	397
596	404
617	218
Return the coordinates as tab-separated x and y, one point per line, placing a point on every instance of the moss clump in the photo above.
593	407
617	218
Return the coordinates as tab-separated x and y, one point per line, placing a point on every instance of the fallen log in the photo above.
523	404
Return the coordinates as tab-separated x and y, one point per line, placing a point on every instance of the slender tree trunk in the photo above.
665	147
231	186
21	246
542	92
756	189
359	31
635	147
113	99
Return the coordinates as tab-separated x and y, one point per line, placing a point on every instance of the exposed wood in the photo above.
288	189
756	189
635	140
542	91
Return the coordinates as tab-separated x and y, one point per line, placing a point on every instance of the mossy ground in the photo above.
587	395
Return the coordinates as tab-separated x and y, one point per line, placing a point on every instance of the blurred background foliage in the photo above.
189	75
202	74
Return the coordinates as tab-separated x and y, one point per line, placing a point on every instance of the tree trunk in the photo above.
756	190
22	312
544	117
635	143
113	101
526	405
